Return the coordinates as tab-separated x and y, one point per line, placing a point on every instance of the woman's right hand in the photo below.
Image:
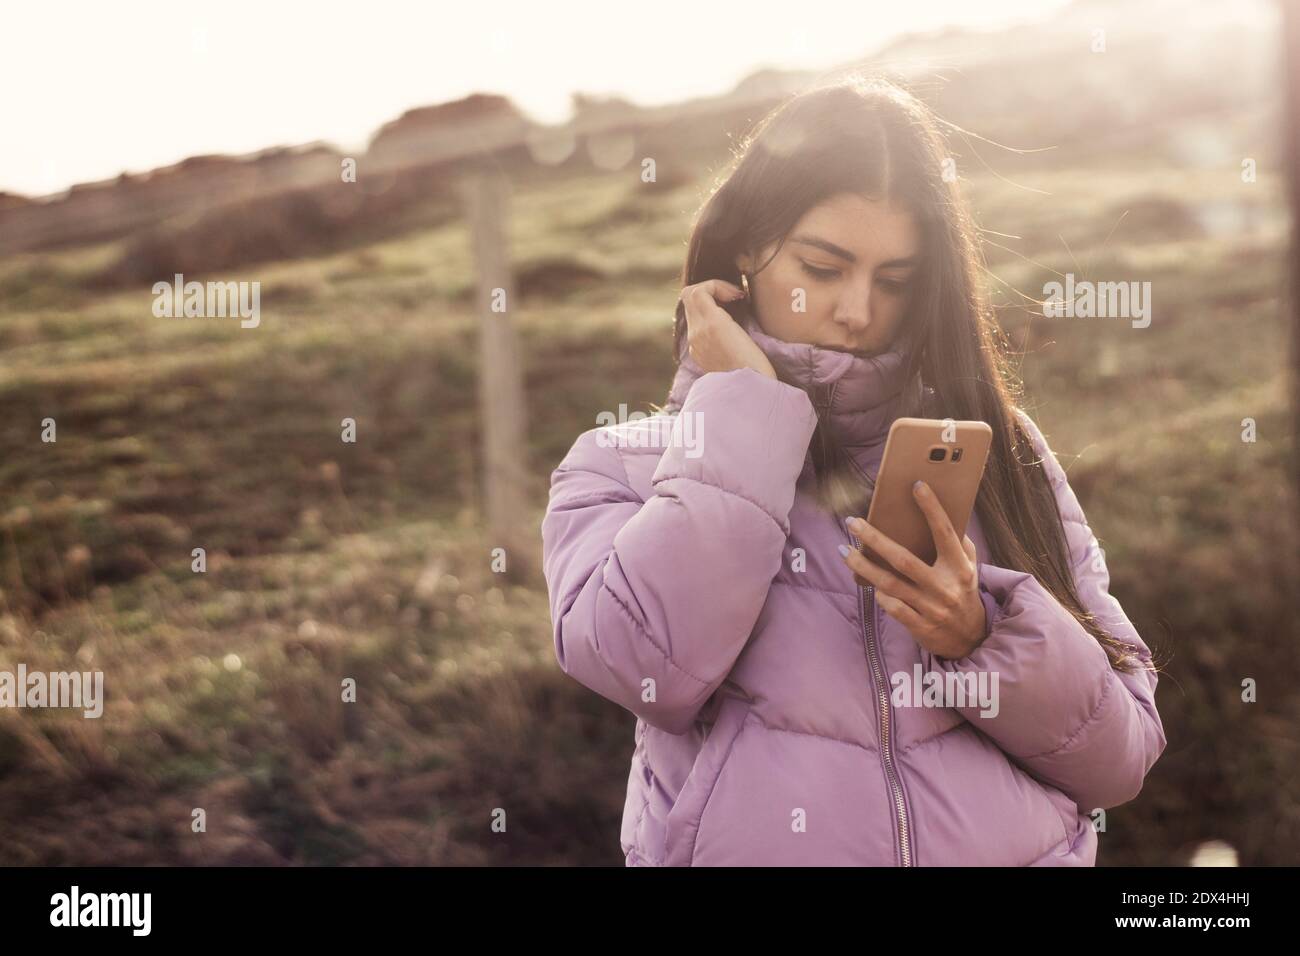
717	342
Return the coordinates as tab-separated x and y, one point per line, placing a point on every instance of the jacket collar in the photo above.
858	396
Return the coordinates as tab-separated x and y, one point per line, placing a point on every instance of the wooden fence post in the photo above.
501	384
1291	157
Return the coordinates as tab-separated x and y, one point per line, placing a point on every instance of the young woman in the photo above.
703	577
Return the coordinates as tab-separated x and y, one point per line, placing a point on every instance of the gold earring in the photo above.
744	283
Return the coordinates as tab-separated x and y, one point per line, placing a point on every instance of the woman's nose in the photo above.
855	321
854	311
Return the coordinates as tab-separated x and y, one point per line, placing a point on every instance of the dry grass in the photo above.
329	561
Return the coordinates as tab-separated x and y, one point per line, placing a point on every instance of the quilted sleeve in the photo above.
652	601
1064	714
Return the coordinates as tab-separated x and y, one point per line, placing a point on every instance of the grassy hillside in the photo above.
330	560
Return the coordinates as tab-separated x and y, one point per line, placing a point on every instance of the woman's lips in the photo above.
852	349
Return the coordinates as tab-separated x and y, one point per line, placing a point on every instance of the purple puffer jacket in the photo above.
695	580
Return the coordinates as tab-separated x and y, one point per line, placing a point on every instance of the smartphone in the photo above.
947	455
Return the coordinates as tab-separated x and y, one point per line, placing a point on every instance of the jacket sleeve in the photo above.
1064	714
652	601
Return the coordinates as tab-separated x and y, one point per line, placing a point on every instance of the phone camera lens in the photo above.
938	453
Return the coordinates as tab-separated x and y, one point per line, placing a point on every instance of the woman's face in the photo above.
843	277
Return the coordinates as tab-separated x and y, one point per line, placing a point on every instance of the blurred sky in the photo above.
89	89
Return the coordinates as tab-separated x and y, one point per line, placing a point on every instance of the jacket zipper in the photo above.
882	696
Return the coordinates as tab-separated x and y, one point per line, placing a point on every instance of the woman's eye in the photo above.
894	285
820	273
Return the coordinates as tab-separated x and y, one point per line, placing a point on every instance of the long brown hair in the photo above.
871	137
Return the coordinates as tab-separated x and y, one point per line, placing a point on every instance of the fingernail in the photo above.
918	485
844	551
851	523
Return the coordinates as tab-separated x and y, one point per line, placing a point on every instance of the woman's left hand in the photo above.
940	604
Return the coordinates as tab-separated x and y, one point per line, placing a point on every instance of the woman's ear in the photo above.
744	263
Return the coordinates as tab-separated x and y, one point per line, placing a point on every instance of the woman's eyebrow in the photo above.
826	245
843	253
